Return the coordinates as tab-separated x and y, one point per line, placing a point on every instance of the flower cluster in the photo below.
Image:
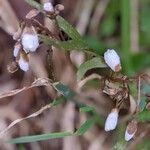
26	41
119	94
112	120
26	37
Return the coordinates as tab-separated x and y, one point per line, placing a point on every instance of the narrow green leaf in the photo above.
145	88
68	28
66	45
34	4
143	116
34	138
96	62
85	126
86	109
64	90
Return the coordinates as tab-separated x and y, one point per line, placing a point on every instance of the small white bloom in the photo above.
112	59
128	136
23	63
30	42
48	7
16	49
130	130
111	121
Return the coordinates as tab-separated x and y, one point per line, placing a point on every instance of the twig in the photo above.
37	82
22	119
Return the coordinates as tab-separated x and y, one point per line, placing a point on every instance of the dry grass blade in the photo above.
37	82
21	119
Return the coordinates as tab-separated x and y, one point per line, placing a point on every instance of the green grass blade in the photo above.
86	125
34	138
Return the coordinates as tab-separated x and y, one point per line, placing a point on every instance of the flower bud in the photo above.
112	119
16	49
23	62
47	6
112	59
17	34
30	40
32	13
131	130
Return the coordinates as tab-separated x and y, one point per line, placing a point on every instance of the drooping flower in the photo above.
30	40
23	62
131	130
47	6
112	59
112	119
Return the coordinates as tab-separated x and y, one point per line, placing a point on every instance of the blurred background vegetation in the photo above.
123	25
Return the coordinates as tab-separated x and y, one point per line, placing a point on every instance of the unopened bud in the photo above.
23	62
47	6
112	120
17	34
32	13
112	59
30	40
16	49
59	7
131	130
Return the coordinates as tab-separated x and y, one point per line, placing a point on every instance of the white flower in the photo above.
30	42
130	130
112	59
48	7
111	121
23	63
16	49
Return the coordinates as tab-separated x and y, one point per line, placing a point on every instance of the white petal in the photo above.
48	7
30	42
111	121
15	51
24	65
112	59
128	136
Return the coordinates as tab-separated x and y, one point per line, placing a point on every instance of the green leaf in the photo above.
85	126
86	109
145	88
34	4
143	116
68	28
96	62
66	45
142	103
64	90
34	138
